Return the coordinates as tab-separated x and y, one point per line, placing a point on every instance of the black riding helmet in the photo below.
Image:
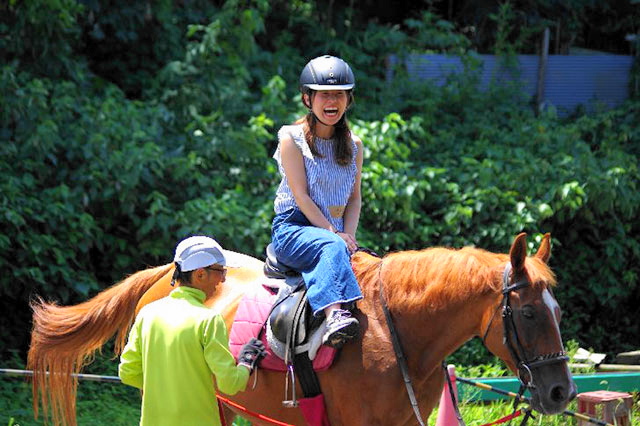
326	73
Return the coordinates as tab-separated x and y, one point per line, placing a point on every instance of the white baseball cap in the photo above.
201	251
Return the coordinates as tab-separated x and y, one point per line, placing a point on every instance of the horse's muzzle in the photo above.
553	399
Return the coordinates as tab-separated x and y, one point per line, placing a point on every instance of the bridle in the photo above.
512	338
514	345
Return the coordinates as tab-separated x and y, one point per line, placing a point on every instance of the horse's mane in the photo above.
439	276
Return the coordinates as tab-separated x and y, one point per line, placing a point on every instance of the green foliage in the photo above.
592	24
512	38
95	184
139	38
40	35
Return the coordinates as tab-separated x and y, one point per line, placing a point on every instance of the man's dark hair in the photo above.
182	277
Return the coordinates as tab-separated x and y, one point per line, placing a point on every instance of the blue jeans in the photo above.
320	255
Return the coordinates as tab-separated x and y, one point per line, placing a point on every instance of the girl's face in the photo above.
329	105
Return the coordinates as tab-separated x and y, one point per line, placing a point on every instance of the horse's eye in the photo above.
528	312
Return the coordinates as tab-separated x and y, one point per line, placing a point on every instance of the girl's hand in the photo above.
350	241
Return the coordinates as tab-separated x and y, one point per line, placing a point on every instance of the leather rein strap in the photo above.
397	348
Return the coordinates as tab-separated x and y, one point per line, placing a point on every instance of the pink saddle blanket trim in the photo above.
248	322
314	411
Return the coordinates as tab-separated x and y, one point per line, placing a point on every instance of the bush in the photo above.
95	185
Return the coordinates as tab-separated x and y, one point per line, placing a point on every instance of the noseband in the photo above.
511	336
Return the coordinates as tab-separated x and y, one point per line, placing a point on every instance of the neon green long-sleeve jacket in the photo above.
175	346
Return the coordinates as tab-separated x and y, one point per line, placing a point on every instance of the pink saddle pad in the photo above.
249	322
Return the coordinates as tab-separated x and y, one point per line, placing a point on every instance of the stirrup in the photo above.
293	402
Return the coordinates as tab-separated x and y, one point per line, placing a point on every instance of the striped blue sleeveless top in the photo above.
329	184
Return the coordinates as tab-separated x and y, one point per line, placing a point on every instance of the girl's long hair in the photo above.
342	135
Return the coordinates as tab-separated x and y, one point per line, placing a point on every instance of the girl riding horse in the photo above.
438	299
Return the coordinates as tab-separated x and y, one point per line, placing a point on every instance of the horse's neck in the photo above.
429	332
427	338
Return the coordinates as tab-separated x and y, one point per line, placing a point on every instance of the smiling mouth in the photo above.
331	112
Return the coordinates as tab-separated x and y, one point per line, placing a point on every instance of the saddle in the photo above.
291	328
293	332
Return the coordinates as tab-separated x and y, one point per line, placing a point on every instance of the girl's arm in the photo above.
293	164
354	205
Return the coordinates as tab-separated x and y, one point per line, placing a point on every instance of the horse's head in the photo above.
524	329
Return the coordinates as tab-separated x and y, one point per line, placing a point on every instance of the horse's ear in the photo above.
544	252
518	252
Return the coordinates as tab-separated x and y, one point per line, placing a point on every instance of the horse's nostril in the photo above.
558	394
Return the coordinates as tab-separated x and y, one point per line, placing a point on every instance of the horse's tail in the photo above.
64	338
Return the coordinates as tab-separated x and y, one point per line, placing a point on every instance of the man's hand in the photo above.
252	353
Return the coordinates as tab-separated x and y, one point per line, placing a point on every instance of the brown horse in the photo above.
438	298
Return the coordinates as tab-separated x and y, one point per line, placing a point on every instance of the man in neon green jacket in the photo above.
176	344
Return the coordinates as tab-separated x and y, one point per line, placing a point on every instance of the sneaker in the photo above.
341	326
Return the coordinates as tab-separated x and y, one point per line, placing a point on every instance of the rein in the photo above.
397	349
